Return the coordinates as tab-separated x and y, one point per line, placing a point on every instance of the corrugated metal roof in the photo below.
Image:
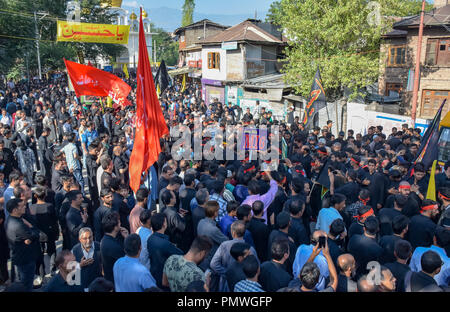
436	17
245	31
273	81
200	23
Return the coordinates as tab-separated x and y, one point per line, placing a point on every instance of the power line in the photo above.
28	15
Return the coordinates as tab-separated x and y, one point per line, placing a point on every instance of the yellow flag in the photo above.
431	193
158	90
184	84
125	71
109	102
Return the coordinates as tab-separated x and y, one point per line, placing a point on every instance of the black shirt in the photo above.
17	233
159	250
345	284
260	233
74	224
46	220
421	231
355	228
386	216
420	280
234	274
99	214
399	271
273	276
364	249
277	234
387	242
111	250
175	225
298	232
58	284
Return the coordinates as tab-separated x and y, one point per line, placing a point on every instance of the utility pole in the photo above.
417	70
37	45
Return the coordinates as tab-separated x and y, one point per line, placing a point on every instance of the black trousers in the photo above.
4	274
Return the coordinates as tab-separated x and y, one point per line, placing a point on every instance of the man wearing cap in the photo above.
422	227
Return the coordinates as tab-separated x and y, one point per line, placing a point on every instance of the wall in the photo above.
359	119
276	107
192	34
235	65
214	74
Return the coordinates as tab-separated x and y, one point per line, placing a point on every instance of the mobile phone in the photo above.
321	241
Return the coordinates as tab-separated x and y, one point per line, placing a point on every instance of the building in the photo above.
190	38
249	50
399	55
131	55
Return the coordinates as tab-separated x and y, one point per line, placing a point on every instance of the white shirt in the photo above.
88	255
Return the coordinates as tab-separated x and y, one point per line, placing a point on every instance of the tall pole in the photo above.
417	70
37	45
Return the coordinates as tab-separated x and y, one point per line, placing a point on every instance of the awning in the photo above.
181	71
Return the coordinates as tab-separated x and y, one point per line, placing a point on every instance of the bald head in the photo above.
365	286
346	262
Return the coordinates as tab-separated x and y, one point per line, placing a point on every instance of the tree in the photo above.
188	13
274	11
20	23
166	48
341	37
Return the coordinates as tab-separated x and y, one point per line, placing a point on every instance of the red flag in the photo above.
150	123
89	63
88	80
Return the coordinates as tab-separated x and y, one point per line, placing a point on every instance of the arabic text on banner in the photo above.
100	33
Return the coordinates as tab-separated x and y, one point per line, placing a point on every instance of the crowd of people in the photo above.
69	217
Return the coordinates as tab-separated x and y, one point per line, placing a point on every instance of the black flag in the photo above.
162	77
317	100
428	151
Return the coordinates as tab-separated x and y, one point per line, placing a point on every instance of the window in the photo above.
432	100
214	60
395	87
438	52
397	56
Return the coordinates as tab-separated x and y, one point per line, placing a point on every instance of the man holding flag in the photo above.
150	123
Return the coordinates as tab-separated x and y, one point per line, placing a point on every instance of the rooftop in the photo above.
245	31
200	23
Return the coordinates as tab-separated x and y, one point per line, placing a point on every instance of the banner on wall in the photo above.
87	32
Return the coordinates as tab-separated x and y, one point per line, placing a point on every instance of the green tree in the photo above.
166	48
341	37
21	24
274	11
188	13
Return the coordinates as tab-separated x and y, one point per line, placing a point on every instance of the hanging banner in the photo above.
99	33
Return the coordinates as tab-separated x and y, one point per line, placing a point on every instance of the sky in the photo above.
207	6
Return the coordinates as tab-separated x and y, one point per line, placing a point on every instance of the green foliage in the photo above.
52	52
339	37
274	11
188	13
166	48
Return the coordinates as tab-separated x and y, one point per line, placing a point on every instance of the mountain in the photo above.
170	19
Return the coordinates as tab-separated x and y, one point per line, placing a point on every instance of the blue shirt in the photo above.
225	222
87	137
302	256
248	286
443	278
222	205
144	234
131	276
326	217
7	195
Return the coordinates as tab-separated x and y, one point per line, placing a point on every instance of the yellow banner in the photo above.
100	33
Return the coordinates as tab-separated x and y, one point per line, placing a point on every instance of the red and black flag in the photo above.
317	100
428	151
